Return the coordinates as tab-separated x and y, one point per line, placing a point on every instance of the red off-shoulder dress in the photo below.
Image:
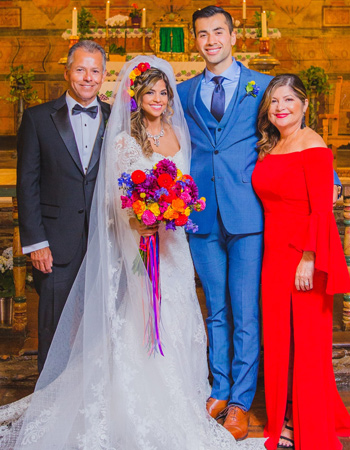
296	193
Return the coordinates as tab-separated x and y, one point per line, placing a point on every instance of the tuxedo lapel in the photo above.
105	109
61	120
237	111
191	103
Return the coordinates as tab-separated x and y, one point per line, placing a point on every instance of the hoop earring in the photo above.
303	124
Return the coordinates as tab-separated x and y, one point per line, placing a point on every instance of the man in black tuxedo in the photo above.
59	145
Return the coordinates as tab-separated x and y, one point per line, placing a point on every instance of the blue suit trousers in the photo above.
229	267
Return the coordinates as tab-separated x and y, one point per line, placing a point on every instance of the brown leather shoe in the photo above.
237	422
214	406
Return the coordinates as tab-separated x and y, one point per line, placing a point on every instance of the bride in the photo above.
100	389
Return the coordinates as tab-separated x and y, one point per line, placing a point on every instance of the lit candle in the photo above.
74	22
244	9
107	9
263	25
143	18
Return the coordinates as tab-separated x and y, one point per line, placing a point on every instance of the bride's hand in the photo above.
143	229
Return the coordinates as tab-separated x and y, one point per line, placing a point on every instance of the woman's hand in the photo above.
143	229
304	275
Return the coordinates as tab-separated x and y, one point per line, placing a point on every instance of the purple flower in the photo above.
133	105
149	186
192	190
170	225
190	226
166	166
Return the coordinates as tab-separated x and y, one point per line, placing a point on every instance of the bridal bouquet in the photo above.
162	194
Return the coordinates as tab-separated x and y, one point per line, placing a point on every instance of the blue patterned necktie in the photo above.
92	111
217	107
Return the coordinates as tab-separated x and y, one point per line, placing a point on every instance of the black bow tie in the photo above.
92	111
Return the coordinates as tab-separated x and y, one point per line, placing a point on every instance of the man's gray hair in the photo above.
87	46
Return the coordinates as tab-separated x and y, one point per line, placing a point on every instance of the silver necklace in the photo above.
156	136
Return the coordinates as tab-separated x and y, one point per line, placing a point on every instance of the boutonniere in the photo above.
251	90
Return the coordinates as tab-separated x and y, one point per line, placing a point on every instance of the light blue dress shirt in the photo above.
230	83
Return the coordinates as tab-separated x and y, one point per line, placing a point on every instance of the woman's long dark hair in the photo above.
142	84
269	133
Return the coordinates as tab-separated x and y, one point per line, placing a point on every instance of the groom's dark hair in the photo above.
210	11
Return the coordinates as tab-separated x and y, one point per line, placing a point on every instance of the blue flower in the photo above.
170	225
190	226
160	192
251	90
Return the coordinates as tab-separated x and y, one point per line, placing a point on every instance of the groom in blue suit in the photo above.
227	249
221	109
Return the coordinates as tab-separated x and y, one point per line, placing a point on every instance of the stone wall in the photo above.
314	32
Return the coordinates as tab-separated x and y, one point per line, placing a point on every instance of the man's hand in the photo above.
336	193
42	259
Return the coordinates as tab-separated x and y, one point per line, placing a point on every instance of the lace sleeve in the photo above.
126	153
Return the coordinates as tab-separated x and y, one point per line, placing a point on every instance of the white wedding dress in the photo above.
100	390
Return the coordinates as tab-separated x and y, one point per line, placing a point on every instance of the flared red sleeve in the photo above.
321	234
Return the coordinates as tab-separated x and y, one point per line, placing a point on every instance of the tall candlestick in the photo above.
107	9
74	22
143	18
263	25
244	10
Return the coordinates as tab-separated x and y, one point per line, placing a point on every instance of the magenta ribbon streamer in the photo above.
150	246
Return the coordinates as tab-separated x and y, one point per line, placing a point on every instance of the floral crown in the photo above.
136	72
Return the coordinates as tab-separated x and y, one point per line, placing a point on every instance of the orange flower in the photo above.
178	204
170	214
139	207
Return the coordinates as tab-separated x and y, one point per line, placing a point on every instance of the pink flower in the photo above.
126	202
201	201
148	218
185	197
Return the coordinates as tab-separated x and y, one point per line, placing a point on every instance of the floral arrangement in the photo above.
251	90
117	21
7	285
136	11
137	70
162	194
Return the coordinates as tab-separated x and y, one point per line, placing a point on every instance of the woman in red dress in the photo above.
303	267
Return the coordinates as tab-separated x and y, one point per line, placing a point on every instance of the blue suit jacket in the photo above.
222	167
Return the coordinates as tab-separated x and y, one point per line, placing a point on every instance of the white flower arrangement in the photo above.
6	260
117	21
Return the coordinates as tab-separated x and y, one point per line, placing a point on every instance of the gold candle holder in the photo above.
264	62
72	40
244	47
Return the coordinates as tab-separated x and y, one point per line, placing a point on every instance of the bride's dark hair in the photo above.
142	84
269	133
